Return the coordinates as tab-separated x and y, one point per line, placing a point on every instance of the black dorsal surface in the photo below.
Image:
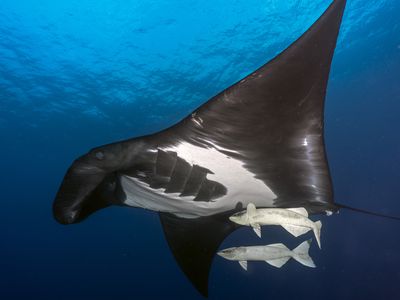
271	122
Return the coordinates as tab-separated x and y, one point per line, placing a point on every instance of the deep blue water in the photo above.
78	74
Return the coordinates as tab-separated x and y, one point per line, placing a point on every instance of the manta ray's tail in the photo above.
300	253
368	212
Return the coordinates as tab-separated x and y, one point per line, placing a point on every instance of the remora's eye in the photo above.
100	155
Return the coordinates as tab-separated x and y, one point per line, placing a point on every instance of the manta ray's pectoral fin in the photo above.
194	243
281	104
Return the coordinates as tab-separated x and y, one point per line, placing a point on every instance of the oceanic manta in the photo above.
259	141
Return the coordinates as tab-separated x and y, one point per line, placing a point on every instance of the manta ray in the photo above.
259	141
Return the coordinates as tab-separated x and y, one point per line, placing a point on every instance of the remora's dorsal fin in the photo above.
194	243
278	262
296	230
272	120
300	210
279	245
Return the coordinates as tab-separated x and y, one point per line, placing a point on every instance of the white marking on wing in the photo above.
228	171
241	185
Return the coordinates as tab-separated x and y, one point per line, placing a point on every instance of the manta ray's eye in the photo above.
100	155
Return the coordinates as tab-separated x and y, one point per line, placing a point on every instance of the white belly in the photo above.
139	194
242	186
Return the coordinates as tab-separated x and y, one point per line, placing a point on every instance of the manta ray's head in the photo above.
89	184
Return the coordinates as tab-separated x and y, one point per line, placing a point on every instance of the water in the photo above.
77	74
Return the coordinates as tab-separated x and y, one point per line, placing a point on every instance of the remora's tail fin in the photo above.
194	243
317	232
300	253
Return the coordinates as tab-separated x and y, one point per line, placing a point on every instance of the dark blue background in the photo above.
77	74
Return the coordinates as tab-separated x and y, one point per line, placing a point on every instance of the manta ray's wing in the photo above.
272	120
194	243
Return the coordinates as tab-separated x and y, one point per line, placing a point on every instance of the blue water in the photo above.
78	74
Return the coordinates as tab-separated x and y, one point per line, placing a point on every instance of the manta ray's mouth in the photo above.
82	193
